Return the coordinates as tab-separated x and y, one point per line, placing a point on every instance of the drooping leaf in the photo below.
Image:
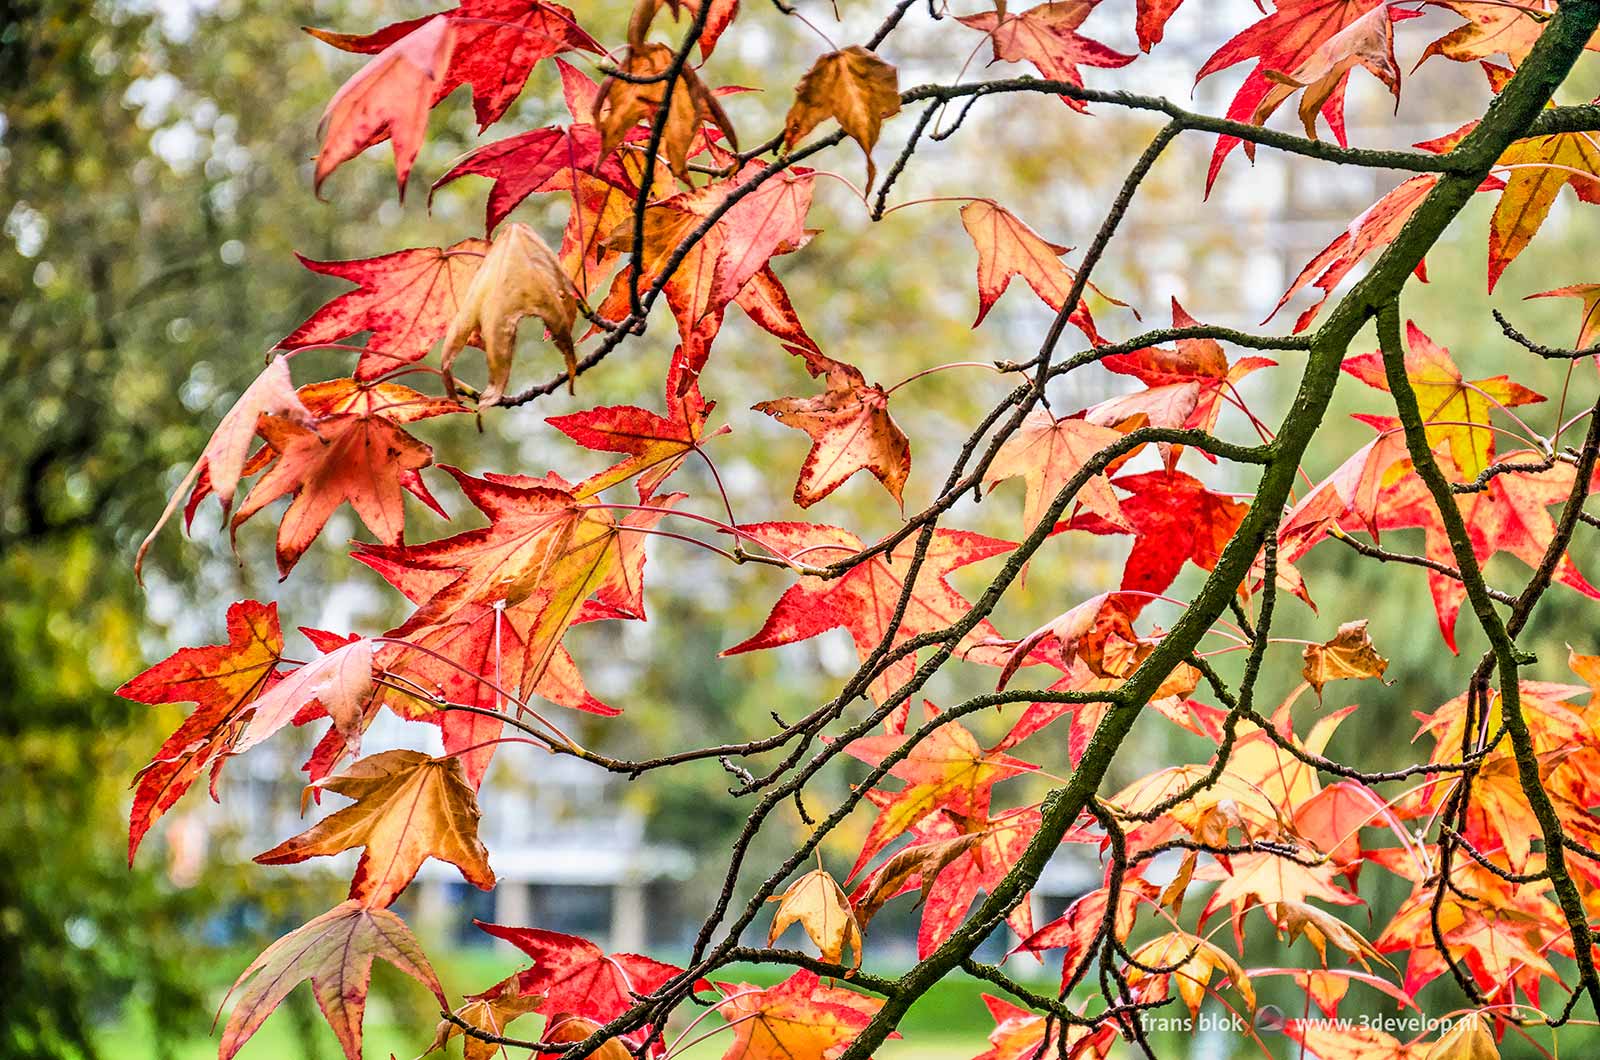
854	86
335	951
1350	654
490	1011
223	681
520	277
388	99
621	104
816	902
850	428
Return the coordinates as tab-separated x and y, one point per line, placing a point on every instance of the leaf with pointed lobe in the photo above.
335	951
1350	1040
223	681
520	277
1539	167
408	807
1047	36
1046	453
533	161
357	453
576	977
340	680
1281	41
1491	29
1175	519
1322	929
948	771
1367	42
490	1011
497	45
1151	22
800	1018
622	104
1023	1035
1589	317
1007	248
655	445
852	85
1194	962
404	300
1351	497
1468	1039
850	427
222	462
819	905
863	599
1375	228
388	99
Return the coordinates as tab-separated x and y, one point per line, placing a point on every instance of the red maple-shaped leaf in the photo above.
356	453
529	162
388	99
405	300
1175	519
863	600
1280	43
578	978
223	681
475	658
1508	516
497	44
1376	228
655	445
850	429
1047	36
1007	248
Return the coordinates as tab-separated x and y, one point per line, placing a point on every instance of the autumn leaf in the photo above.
1490	29
918	864
1350	654
1366	42
520	277
389	98
529	162
798	1019
1455	410
1320	928
1283	40
1589	320
490	1012
717	19
1537	169
850	428
1047	36
408	807
223	681
863	599
1175	519
1046	453
340	680
357	453
816	902
574	976
1468	1039
335	951
1375	228
1194	962
1007	248
855	87
497	45
622	103
404	300
655	445
223	459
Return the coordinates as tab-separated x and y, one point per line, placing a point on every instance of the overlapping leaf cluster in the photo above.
1266	834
